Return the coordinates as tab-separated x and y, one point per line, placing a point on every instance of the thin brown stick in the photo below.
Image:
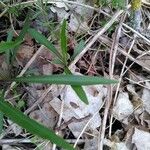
39	100
123	52
112	59
92	41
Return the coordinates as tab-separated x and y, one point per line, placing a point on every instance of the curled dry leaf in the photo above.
141	139
79	112
123	107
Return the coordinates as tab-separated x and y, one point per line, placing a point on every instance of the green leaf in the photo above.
31	125
81	93
64	41
78	89
4	46
43	40
21	35
66	79
8	52
78	48
25	28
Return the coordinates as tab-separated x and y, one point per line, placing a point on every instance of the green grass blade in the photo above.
25	28
80	93
78	48
78	89
43	40
63	38
8	52
21	36
4	46
31	125
66	79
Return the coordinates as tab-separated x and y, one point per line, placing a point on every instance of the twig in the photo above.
112	59
91	42
59	121
123	52
134	82
72	120
117	90
14	141
5	10
38	101
12	26
130	28
137	33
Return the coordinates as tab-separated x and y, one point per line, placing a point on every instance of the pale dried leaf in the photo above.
48	69
76	24
91	144
146	98
47	116
61	13
61	5
74	108
141	139
123	107
119	146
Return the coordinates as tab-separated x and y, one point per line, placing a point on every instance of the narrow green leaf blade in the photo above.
8	52
81	93
21	36
64	41
78	89
43	40
31	125
4	46
66	79
25	28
